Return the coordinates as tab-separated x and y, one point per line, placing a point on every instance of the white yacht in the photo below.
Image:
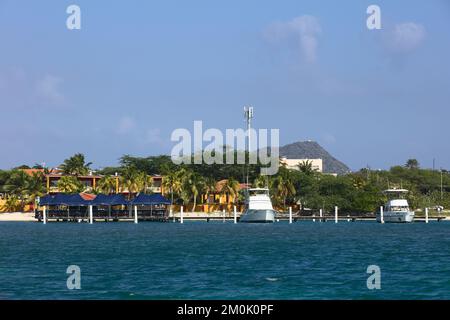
397	208
258	207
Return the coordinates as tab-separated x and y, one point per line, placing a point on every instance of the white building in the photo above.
316	164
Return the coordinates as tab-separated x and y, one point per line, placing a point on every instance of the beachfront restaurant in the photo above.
151	205
115	207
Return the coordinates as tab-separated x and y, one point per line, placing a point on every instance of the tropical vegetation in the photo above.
188	184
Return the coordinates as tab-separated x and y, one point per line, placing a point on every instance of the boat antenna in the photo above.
248	114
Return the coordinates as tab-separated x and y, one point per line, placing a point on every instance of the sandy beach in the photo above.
17	216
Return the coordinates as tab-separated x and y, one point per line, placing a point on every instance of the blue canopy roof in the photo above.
101	200
63	200
76	200
109	200
149	199
46	200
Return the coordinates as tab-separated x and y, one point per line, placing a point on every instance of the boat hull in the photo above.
396	217
258	216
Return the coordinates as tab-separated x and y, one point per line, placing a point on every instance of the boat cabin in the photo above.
397	205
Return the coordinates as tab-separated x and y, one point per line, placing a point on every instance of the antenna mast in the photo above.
248	114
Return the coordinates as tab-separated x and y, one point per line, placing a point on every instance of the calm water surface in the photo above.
200	260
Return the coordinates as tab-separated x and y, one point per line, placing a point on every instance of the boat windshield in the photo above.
398	208
257	192
250	211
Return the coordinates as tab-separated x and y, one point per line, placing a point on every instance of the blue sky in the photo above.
137	70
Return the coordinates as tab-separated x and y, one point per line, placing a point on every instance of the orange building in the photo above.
220	199
89	181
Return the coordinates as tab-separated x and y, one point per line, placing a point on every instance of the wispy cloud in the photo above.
328	138
404	38
21	90
48	88
154	136
303	31
126	125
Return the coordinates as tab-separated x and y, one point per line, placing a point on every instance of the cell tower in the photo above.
248	114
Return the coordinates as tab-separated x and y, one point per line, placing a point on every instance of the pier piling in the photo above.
44	213
336	214
290	214
91	215
135	215
321	214
234	214
181	214
426	215
381	214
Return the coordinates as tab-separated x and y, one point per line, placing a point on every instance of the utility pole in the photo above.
442	187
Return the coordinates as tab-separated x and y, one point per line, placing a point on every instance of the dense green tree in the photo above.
412	164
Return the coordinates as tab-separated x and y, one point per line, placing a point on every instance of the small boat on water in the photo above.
397	208
258	207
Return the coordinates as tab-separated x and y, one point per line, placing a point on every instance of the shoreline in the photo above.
29	217
17	217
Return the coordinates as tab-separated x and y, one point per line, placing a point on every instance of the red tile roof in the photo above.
87	196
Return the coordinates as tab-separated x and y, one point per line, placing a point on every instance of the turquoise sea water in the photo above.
199	260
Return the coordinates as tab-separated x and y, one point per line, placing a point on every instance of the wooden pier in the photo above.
106	219
280	218
350	218
164	216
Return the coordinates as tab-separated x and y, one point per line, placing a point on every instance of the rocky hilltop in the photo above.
312	150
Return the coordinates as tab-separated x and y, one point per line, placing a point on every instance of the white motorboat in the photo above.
258	207
397	208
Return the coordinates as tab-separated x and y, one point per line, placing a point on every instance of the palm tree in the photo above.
231	187
68	184
76	165
12	204
306	167
178	182
192	184
16	183
284	188
132	180
261	182
23	187
172	181
145	182
107	184
209	187
35	186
